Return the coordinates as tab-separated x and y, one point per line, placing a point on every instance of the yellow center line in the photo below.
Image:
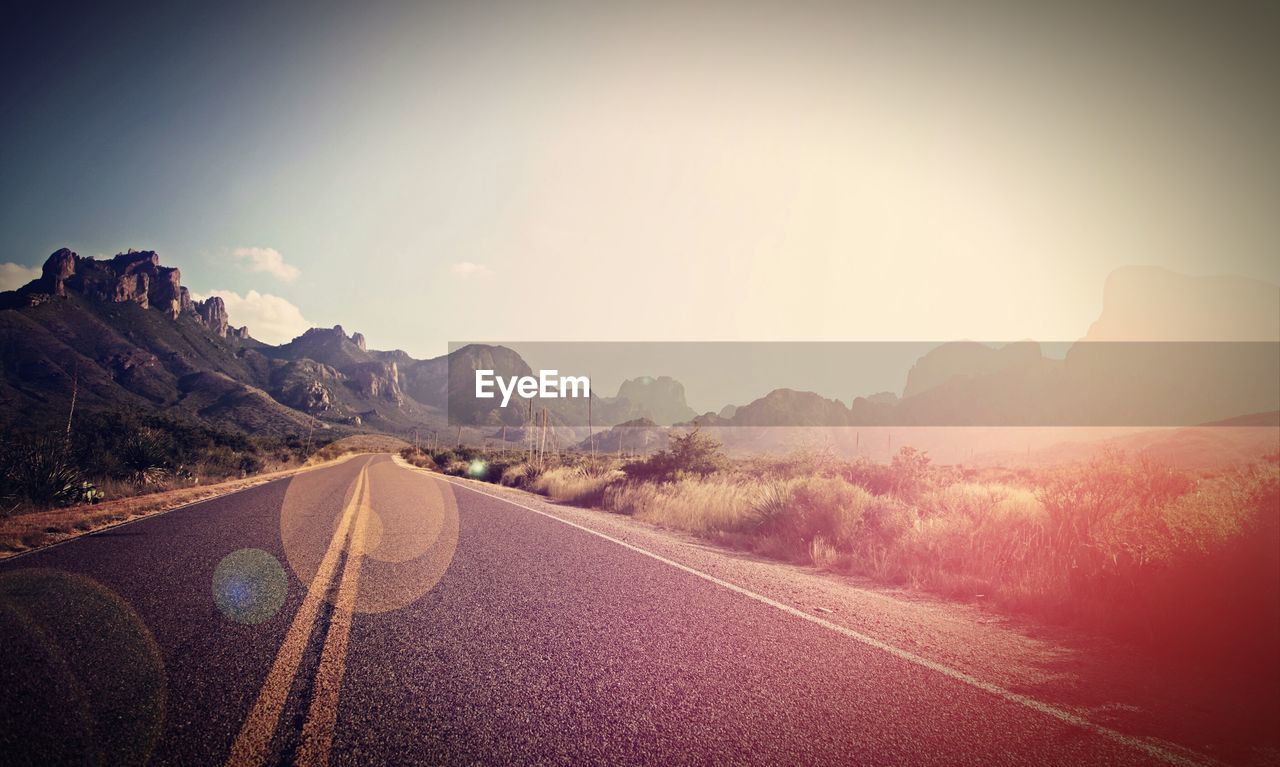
317	733
253	744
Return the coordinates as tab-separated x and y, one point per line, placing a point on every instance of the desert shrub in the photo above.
910	472
707	506
848	519
457	468
690	454
971	538
873	477
443	456
1106	520
799	463
250	464
144	457
575	485
418	457
41	471
523	474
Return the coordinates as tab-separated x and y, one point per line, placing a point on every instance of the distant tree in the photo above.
692	453
909	470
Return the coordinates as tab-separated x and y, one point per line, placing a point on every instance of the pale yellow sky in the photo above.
712	171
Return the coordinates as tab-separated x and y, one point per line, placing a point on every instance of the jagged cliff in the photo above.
125	332
134	277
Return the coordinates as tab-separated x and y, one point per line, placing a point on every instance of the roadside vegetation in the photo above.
1179	559
119	466
110	455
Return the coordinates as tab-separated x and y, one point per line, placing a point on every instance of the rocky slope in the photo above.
125	333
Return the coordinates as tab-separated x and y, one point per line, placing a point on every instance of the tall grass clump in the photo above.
707	506
834	523
575	484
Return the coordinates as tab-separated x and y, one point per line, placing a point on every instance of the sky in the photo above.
645	171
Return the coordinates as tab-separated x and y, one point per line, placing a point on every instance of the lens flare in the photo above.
93	686
249	586
410	536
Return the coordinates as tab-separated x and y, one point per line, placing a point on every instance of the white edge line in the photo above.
906	655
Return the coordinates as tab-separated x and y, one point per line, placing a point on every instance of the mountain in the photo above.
658	399
1148	303
636	437
125	333
788	407
967	359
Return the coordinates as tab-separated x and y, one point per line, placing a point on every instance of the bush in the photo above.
690	454
457	468
523	474
443	456
713	505
873	477
832	515
419	458
42	472
575	485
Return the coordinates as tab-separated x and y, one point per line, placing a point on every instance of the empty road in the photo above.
368	613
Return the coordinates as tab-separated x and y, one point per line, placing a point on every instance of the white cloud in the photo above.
14	276
467	270
266	260
271	319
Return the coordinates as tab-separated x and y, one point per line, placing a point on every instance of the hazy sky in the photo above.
645	170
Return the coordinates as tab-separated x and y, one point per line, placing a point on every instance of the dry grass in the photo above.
1130	547
701	506
576	485
358	443
23	532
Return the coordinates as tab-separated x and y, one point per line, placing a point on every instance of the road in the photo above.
368	613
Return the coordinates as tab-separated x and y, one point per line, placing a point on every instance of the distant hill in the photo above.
967	359
660	399
124	332
1189	447
1149	303
637	437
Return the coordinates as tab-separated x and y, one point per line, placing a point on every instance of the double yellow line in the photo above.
252	746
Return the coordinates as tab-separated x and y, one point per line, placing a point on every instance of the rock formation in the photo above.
213	312
130	277
377	380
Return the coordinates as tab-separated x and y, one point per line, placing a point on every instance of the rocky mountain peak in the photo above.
130	277
213	312
134	276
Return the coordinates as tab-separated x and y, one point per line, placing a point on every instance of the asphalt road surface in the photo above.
368	613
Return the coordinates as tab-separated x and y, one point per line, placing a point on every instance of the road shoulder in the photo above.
1182	709
24	533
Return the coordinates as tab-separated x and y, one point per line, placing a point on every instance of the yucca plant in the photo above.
41	472
144	457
